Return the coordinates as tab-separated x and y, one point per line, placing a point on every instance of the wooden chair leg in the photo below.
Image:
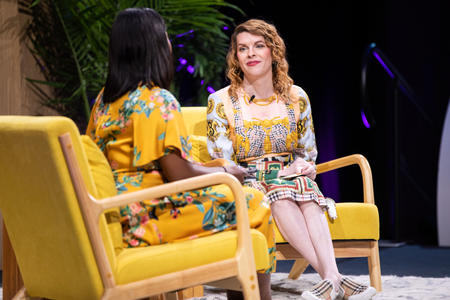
171	296
196	291
374	266
298	268
12	280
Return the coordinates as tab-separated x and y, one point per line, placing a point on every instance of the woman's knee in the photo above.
310	207
282	203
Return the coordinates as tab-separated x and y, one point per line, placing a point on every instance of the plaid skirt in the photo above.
299	188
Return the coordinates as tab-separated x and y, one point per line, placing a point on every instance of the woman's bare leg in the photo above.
264	286
264	289
321	240
292	225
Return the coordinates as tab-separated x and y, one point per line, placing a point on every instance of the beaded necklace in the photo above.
261	102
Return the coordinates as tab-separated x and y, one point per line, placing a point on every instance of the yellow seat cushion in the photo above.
137	263
106	187
356	221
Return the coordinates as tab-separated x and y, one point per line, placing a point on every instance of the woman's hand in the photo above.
237	172
299	166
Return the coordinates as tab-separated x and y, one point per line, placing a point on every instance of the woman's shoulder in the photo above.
300	101
297	93
160	97
220	95
219	104
218	99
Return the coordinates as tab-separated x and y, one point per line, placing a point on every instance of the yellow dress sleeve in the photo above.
159	130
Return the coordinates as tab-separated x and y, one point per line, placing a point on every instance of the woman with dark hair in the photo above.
263	122
138	125
139	52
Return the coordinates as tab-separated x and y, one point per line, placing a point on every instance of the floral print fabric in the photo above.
134	132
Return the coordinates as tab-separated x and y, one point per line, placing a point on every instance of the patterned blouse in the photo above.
237	140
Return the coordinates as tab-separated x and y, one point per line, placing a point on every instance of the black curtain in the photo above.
325	41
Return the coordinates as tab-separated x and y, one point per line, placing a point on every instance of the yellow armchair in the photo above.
355	233
66	239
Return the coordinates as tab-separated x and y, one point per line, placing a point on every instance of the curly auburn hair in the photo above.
282	83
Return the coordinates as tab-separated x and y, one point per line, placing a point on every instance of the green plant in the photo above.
69	40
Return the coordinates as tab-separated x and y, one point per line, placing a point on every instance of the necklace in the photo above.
261	102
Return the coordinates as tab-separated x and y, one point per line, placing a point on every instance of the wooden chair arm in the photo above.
355	159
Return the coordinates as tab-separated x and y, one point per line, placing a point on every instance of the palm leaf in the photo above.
69	40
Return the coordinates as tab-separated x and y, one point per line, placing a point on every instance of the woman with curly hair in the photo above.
263	122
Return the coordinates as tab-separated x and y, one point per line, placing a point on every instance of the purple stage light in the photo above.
190	69
210	89
182	61
184	33
180	46
202	82
383	64
225	28
364	119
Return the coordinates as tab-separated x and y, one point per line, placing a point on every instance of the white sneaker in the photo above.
356	291
323	291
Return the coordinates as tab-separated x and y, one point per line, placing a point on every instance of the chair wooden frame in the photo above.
241	266
343	248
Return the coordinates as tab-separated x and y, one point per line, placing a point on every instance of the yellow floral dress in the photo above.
134	132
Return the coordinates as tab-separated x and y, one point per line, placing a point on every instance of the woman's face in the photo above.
254	56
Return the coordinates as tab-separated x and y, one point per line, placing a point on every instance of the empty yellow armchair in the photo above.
355	232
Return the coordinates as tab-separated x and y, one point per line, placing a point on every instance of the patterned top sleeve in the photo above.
306	148
159	131
219	142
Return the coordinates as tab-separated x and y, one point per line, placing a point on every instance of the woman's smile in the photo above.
253	63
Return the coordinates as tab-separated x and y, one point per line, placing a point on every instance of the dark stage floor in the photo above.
406	260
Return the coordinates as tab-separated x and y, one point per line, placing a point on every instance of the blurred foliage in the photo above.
69	40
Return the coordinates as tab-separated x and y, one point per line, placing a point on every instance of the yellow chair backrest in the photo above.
41	212
195	120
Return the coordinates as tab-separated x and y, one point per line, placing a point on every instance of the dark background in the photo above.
325	43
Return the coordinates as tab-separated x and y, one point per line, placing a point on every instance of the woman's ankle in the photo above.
265	290
235	295
335	279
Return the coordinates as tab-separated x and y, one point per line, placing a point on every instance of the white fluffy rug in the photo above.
394	287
